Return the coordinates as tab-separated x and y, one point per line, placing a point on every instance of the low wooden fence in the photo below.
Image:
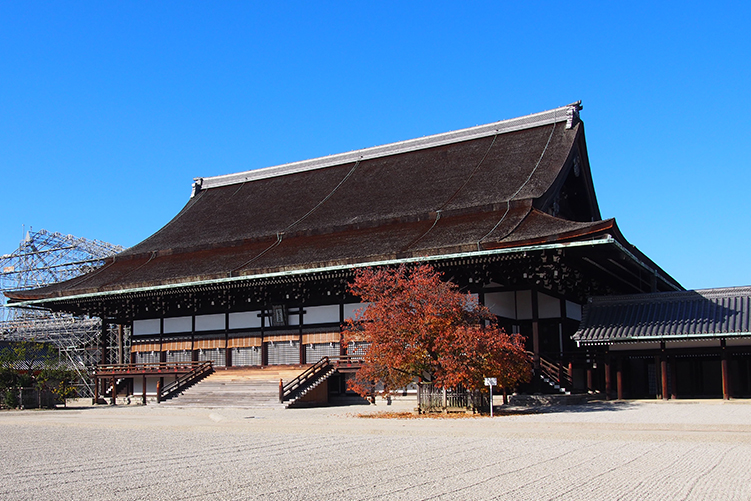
434	399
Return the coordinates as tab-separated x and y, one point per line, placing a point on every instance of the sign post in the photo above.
491	381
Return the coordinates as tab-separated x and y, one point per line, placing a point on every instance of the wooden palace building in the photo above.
253	271
671	344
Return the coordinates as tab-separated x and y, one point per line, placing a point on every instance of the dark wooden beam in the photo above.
664	372
607	377
725	372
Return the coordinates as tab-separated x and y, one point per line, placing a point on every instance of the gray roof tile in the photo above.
693	314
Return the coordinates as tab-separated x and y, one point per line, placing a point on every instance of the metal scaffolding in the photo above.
45	258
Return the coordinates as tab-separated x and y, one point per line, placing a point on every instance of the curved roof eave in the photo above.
603	240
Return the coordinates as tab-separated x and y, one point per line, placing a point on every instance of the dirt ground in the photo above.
606	450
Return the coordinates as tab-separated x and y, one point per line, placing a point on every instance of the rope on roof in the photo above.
351	171
152	256
508	202
280	234
474	171
449	199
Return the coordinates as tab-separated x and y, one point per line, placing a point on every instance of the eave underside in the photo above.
574	270
519	227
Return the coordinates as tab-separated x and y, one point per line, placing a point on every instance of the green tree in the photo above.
29	364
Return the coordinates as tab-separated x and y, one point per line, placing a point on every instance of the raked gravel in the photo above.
621	450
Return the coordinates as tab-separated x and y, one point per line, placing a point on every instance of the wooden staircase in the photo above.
293	393
237	387
295	390
556	375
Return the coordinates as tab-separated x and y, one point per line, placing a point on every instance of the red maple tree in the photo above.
418	326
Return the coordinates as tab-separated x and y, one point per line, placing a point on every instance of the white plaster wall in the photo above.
524	305
548	306
213	322
178	324
351	308
502	304
573	310
321	314
144	327
245	320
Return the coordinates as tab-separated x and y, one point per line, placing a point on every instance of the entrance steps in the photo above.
237	387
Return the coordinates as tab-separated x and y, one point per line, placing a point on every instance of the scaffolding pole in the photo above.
45	258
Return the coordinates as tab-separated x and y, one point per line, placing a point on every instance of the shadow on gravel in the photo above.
592	406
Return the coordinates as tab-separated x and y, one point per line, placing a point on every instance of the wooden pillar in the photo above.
96	390
657	380
589	377
143	390
342	346
159	390
664	372
673	379
161	334
194	354
302	346
725	371
535	331
264	348
103	342
114	391
607	377
227	349
562	306
619	377
120	348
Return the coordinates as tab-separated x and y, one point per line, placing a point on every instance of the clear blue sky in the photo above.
109	109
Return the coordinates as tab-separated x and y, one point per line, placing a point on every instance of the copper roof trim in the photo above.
568	114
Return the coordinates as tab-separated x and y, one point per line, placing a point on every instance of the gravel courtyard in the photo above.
632	450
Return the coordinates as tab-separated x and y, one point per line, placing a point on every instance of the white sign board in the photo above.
491	381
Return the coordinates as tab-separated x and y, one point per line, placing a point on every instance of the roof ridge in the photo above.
667	296
568	114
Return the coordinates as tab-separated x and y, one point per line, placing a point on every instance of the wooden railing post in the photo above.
281	390
159	390
419	398
571	373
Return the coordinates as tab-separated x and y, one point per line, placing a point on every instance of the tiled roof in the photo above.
696	314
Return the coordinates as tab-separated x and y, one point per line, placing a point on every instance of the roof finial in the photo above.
572	114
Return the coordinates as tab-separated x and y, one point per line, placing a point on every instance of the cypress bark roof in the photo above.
511	183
